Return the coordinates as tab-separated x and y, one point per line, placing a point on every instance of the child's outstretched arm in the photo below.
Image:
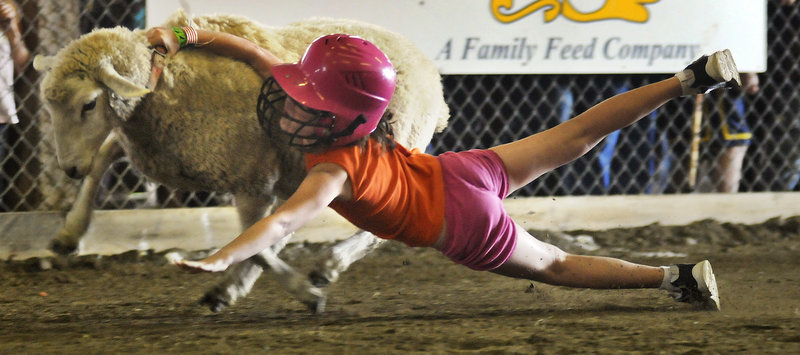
323	184
224	44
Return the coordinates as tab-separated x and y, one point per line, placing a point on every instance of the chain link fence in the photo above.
736	141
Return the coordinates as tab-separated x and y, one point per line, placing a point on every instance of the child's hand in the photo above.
201	266
164	37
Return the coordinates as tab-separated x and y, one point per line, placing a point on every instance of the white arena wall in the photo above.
27	234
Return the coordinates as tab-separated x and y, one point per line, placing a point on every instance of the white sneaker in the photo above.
708	73
695	284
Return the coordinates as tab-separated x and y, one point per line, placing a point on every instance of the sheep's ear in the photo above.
43	63
125	94
118	84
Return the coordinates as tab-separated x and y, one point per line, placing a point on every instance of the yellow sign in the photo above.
627	10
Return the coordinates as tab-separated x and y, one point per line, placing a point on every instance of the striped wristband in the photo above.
191	35
186	36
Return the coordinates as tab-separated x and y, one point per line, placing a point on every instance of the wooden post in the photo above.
697	124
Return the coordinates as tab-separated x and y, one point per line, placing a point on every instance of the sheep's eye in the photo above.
89	106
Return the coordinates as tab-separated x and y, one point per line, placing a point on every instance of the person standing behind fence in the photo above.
727	136
14	56
727	133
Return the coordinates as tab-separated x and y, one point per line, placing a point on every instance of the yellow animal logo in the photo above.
627	10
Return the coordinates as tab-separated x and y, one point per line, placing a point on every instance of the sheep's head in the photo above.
88	88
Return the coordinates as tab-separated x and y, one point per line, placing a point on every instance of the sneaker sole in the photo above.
707	284
721	65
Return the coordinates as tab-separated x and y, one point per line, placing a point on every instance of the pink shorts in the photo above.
480	234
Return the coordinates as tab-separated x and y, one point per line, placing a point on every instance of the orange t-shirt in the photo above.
396	195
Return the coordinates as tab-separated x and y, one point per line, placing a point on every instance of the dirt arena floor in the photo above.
404	300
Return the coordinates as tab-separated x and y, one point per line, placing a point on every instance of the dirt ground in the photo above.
404	300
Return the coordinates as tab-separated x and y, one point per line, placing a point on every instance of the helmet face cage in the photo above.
271	110
348	77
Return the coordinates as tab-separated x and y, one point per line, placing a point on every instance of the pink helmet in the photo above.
346	80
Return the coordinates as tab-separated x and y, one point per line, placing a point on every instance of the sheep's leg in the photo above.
339	257
79	216
296	284
240	279
237	283
293	282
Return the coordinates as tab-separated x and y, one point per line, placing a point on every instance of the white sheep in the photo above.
197	130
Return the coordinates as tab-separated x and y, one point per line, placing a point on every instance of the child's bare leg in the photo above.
529	158
539	261
535	260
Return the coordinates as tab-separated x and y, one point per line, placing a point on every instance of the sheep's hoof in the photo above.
302	289
318	279
317	306
215	301
61	248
